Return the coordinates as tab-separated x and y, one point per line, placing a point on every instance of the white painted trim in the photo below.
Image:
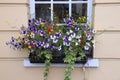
89	11
52	14
93	63
70	8
32	9
70	2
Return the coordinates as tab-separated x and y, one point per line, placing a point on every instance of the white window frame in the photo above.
70	2
94	63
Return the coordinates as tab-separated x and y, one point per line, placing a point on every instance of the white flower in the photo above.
89	37
55	40
59	48
46	45
76	43
52	36
78	37
70	38
32	35
79	40
68	33
73	35
93	31
86	47
64	43
71	31
67	43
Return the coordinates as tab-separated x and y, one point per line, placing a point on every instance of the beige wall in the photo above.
106	17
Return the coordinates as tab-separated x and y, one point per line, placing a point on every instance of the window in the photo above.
56	10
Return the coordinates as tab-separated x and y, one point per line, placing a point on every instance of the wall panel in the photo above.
107	45
106	17
13	16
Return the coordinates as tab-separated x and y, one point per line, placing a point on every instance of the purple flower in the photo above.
86	47
67	43
41	43
47	40
24	32
17	46
89	36
65	38
73	35
33	28
42	33
12	40
52	36
55	40
59	48
29	21
69	23
38	45
33	20
46	45
43	20
52	46
77	28
70	18
58	35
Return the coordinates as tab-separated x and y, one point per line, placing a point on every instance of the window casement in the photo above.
56	10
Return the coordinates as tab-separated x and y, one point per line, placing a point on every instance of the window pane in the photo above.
60	11
42	0
79	0
43	11
79	10
60	0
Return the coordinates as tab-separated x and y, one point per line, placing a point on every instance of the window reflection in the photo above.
60	0
79	0
43	11
79	10
42	0
60	11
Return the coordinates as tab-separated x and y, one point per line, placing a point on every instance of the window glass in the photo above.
60	0
42	0
79	0
60	11
43	11
79	10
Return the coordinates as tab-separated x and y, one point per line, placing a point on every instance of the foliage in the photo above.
43	38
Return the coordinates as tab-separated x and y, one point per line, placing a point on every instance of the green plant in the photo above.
43	38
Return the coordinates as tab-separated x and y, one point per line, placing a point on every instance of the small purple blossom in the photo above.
65	38
89	36
73	35
67	43
24	32
46	45
58	35
77	28
69	24
42	33
64	20
43	20
52	36
59	48
47	40
55	40
52	46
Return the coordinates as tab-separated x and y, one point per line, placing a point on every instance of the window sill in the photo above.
94	63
